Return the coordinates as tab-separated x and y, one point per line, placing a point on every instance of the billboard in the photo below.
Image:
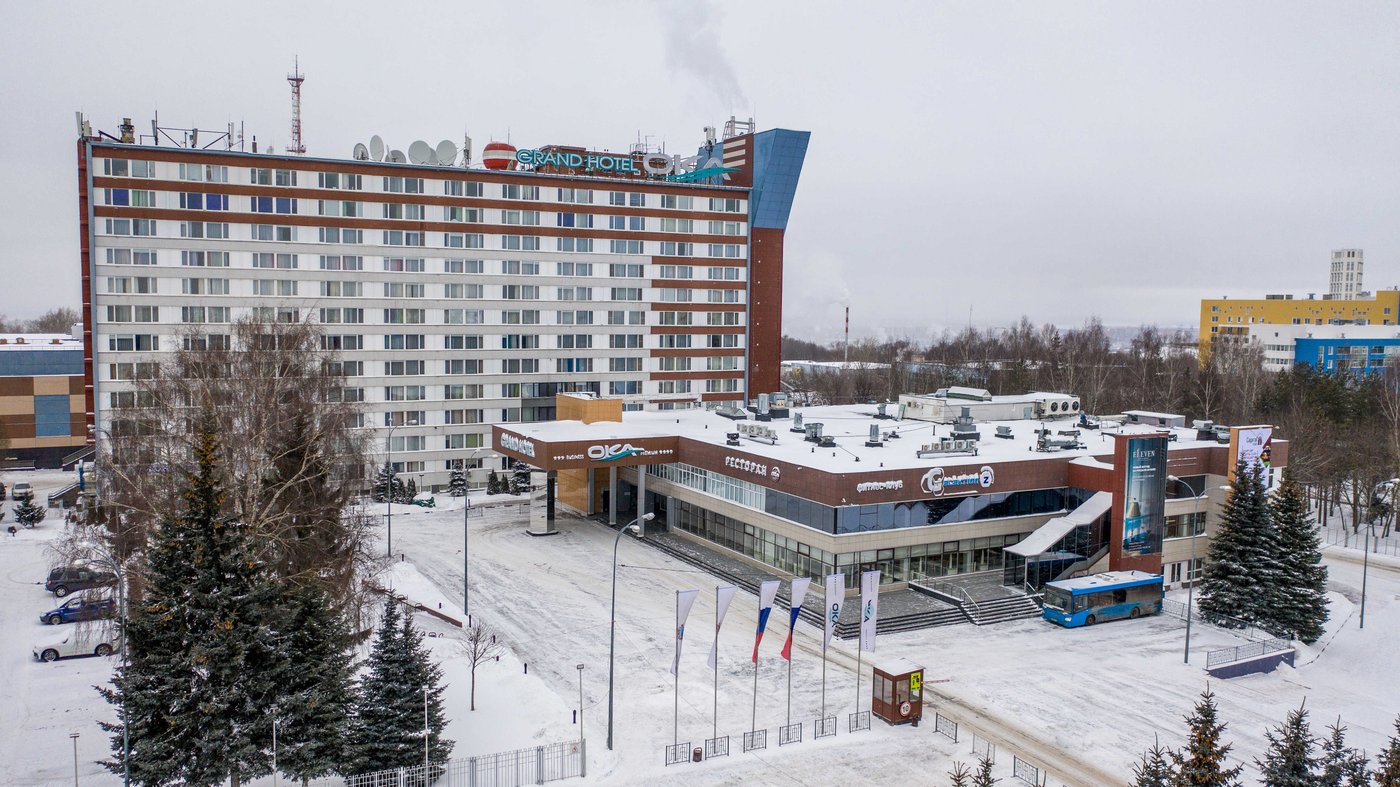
1253	445
1145	495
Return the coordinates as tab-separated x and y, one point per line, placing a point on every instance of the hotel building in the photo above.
455	297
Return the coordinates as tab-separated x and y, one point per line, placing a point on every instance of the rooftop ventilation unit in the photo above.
944	446
1004	432
732	413
1066	440
814	433
874	441
731	438
964	428
797	424
758	432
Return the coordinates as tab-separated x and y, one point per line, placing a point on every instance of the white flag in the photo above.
723	595
869	608
685	599
835	596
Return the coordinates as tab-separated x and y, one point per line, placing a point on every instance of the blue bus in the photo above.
1109	596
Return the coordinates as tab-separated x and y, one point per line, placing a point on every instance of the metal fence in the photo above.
1234	625
860	720
677	753
825	727
790	733
1242	652
1027	772
535	765
755	740
945	726
1345	537
983	748
717	747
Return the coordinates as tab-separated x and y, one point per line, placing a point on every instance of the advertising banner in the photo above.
685	599
835	596
766	593
1145	495
1253	445
799	594
869	608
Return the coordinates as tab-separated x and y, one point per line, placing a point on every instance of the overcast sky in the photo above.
1051	159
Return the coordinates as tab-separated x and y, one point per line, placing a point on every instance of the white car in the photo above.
79	640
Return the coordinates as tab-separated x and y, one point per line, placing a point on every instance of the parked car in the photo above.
66	579
22	491
79	609
88	640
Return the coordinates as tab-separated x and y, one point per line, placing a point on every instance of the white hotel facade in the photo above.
455	298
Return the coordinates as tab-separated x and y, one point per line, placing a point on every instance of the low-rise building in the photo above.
42	411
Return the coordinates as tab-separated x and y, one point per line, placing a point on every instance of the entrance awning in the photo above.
1051	532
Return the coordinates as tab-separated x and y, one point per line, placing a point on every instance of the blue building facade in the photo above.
1350	356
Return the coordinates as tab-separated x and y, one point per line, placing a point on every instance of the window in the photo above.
397	185
204	259
398	210
194	200
519	267
620	271
461	342
520	341
677	272
723	296
673	340
674	295
573	365
722	340
404	264
674	364
131	257
405	393
520	292
529	218
617	198
461	366
626	247
673	387
576	196
403	238
674	249
724	250
274	204
458	213
337	180
458	188
462	291
404	368
675	318
574	268
574	244
207	173
575	341
140	342
726	228
339	208
135	199
677	225
724	205
520	365
520	242
463	240
624	387
678	202
347	315
405	341
197	229
463	391
724	274
625	341
395	289
626	293
583	220
342	289
574	318
520	317
342	263
575	293
342	342
517	191
624	364
463	266
404	316
722	318
124	168
463	316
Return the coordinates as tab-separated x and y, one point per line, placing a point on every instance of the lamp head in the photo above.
648	517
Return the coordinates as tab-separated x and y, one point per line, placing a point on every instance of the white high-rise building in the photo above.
1345	282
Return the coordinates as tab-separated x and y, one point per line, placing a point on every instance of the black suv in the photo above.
66	579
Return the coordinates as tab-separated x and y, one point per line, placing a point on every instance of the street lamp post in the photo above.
74	736
1377	509
583	760
389	448
1190	567
426	729
612	624
274	747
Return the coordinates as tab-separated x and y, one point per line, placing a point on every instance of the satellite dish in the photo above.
420	152
361	152
376	148
396	157
446	153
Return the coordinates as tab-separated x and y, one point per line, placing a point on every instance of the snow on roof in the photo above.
1054	530
39	341
850	426
1107	578
897	665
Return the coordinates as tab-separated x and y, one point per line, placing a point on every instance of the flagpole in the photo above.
823	680
753	720
789	701
714	720
676	684
859	653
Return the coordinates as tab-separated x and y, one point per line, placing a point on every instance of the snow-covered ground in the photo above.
1082	703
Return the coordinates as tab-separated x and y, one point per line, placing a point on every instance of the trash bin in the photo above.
696	755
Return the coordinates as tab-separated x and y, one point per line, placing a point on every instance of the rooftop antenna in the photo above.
847	362
297	148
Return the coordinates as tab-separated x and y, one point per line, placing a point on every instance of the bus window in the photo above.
1120	596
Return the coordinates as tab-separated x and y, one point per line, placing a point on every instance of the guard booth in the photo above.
898	695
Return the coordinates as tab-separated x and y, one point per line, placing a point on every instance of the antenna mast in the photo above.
297	148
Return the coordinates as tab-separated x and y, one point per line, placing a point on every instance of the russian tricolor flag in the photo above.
766	593
799	593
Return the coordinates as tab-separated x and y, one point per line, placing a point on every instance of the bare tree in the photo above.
479	647
295	457
60	320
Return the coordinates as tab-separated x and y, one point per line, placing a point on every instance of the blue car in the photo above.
80	609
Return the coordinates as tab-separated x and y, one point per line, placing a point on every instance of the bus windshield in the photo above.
1057	598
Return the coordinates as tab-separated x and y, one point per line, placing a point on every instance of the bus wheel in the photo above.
1091	620
1135	613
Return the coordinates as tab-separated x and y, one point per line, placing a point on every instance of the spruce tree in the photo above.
493	483
29	514
203	661
384	483
425	683
1202	762
1154	768
378	736
1342	766
1242	573
1300	609
1289	760
410	491
983	776
317	696
457	483
960	776
1388	763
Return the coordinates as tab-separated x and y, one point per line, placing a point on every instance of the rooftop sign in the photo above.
679	169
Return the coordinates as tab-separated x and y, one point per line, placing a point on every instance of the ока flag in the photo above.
799	593
723	595
685	599
766	593
835	596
